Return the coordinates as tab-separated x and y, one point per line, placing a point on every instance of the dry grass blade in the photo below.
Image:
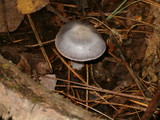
125	18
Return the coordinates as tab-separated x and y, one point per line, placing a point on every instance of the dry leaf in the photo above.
10	17
152	51
30	6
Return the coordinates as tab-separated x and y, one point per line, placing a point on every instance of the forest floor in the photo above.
123	83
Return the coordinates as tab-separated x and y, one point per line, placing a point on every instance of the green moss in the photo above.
4	66
25	91
17	87
36	99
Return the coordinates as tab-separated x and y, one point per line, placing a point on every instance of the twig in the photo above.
128	106
66	5
111	103
69	78
130	71
41	44
106	101
87	80
69	67
39	40
107	91
92	75
139	103
152	106
96	111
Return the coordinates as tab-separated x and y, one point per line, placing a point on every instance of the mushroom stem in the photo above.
77	65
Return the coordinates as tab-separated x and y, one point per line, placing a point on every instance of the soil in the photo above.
130	64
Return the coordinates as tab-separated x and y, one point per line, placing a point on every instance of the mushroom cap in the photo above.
79	41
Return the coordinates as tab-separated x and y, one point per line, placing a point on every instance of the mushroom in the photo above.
79	42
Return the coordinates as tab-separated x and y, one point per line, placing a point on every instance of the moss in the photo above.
4	66
36	99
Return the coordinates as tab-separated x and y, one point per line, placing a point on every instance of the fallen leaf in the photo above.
30	6
10	17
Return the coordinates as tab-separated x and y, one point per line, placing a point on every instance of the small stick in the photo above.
108	91
132	73
152	106
39	40
66	5
69	67
43	43
96	111
87	80
69	78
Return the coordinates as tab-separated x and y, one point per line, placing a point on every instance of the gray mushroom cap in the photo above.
79	41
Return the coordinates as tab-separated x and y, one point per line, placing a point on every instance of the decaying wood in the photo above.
153	105
23	99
